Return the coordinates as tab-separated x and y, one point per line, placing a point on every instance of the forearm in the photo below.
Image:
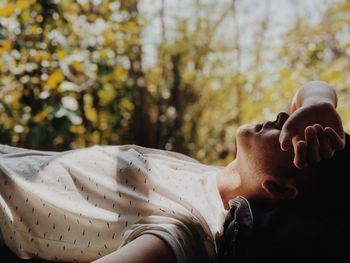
313	92
147	248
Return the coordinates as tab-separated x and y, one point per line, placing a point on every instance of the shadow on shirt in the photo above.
7	255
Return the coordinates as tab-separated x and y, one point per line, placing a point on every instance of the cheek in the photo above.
271	155
262	152
266	141
268	145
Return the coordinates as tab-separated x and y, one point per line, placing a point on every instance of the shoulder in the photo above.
186	238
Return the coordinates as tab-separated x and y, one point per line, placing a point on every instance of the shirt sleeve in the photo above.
189	243
6	149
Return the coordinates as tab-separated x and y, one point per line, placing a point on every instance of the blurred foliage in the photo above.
72	74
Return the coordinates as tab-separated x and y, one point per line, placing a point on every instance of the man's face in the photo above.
258	148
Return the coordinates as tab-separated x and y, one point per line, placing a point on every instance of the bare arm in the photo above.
314	127
313	92
144	249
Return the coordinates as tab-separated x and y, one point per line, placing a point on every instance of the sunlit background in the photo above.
180	75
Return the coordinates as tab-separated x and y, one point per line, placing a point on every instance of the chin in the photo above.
244	134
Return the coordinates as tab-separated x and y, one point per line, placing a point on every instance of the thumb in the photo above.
285	141
285	138
288	131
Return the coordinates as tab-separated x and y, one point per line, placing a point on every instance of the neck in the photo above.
229	182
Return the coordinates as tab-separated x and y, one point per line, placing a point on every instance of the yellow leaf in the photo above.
39	19
77	129
61	54
41	116
126	104
91	17
104	53
22	4
332	75
25	16
5	46
7	10
119	74
91	114
36	29
95	137
110	37
55	78
107	94
76	67
42	55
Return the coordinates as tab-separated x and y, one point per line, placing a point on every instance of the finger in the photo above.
295	140
326	150
285	141
287	133
293	126
337	142
318	128
300	155
313	147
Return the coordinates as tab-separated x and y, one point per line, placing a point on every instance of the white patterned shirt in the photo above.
80	205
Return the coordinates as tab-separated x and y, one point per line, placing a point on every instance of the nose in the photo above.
278	123
281	119
269	125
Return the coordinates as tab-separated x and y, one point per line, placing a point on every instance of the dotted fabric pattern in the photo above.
83	204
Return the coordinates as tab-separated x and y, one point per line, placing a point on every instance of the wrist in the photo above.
317	101
315	92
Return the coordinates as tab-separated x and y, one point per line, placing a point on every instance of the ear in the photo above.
280	190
